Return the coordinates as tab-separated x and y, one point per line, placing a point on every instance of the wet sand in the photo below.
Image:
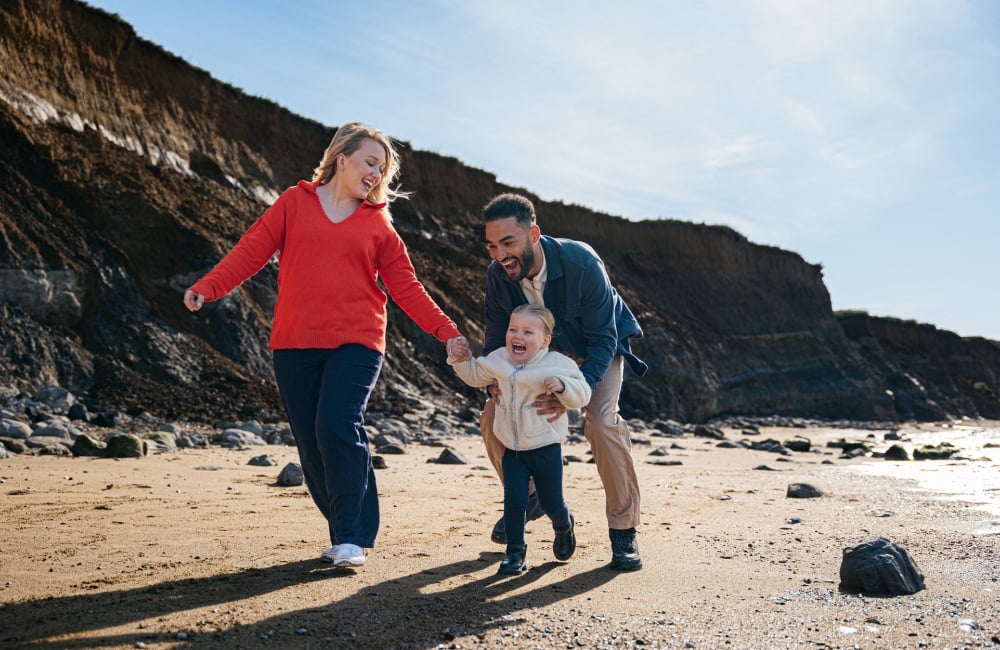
200	549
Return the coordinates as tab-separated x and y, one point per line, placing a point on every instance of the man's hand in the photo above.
548	406
494	391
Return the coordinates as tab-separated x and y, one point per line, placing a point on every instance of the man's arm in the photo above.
597	322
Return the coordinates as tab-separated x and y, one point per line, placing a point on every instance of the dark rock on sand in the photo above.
450	457
880	566
896	452
84	445
940	451
802	491
291	475
126	445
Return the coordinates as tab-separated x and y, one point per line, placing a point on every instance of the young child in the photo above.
524	369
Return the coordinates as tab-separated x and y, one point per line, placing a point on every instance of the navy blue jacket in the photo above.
592	321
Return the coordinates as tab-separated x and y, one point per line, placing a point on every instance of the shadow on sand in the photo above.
394	614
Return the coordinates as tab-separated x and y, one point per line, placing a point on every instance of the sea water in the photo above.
971	475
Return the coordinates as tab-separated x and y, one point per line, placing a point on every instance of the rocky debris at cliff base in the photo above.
54	421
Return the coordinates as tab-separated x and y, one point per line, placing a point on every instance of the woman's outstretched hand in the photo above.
193	301
458	349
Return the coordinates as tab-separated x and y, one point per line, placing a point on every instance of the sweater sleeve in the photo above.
472	372
400	280
248	256
576	391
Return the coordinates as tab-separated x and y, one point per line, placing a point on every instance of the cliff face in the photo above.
929	372
125	174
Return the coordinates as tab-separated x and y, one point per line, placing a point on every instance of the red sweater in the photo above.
328	294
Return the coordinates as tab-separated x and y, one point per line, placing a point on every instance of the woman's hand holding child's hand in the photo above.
458	349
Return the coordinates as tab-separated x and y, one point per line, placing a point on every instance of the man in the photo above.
593	325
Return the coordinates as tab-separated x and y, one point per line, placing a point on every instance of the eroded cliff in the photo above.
126	173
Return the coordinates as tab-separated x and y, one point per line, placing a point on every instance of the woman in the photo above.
335	240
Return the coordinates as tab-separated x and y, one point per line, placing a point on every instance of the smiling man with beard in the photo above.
593	325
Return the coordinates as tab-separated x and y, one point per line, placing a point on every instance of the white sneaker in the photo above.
329	554
348	555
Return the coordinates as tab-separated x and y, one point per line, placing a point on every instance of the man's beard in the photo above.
527	260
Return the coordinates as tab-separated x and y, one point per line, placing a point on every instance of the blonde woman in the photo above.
335	241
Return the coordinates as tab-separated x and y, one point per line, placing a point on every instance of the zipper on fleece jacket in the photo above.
513	411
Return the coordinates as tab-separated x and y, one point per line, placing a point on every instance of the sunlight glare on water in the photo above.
971	475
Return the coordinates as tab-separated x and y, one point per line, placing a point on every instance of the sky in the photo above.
863	135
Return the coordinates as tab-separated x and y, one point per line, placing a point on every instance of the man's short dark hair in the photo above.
510	205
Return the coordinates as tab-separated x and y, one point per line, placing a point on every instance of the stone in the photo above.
56	398
253	426
51	430
78	412
57	449
897	452
388	443
15	429
38	442
106	419
798	443
770	445
291	475
802	491
390	449
880	566
451	457
126	445
262	461
238	438
941	451
86	446
709	431
16	445
195	439
161	441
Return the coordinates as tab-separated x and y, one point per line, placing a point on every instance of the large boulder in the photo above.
879	566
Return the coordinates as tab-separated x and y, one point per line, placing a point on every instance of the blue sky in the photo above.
862	134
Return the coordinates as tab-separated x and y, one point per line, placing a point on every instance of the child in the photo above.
524	369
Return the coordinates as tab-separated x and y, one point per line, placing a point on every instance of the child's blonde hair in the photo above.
541	312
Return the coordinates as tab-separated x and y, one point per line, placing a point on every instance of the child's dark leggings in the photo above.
546	467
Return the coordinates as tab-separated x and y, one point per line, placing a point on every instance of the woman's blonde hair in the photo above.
347	140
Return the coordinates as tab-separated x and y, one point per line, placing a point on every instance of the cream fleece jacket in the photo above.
516	423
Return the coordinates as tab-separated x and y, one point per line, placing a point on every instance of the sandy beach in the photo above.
199	549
